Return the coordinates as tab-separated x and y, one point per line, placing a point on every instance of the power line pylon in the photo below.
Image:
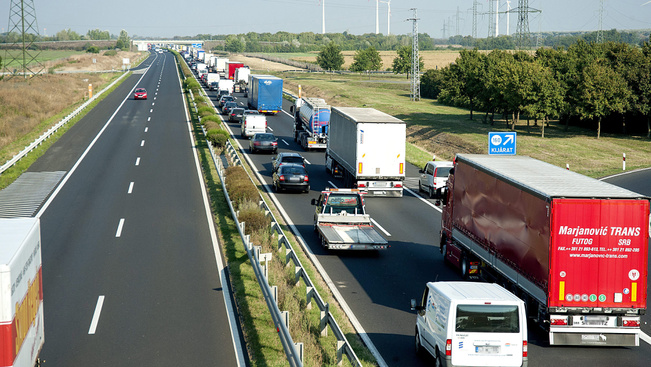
600	32
522	33
491	15
415	61
20	56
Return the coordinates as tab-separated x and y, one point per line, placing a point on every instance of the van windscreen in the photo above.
488	319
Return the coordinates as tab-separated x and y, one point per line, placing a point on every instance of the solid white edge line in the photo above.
232	322
380	227
423	200
95	320
118	233
92	143
130	188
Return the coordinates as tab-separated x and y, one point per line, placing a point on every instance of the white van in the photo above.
471	324
252	124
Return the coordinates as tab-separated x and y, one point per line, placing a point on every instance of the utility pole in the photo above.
415	61
20	56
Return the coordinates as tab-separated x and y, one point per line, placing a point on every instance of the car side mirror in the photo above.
420	171
415	306
315	202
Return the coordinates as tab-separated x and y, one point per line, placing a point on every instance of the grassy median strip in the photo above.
263	343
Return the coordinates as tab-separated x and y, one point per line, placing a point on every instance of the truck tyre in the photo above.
464	267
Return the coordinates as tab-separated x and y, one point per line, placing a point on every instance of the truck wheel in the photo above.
464	267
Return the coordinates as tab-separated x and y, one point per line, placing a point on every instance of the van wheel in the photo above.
438	362
431	193
419	348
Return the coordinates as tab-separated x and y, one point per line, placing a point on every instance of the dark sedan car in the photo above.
228	106
291	177
224	99
236	114
285	158
140	93
263	142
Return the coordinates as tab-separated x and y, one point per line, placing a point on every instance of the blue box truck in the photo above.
265	93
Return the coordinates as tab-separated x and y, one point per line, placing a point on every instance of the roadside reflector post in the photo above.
567	166
90	91
624	162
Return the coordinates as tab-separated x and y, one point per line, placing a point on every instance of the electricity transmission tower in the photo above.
491	14
474	19
600	32
415	64
522	33
20	56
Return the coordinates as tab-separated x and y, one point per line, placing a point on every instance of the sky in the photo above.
168	18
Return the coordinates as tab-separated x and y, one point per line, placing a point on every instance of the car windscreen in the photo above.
338	203
488	319
442	171
238	111
264	137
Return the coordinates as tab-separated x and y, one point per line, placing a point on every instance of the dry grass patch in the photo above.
431	59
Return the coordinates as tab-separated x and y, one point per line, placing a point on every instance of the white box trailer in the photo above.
367	148
21	292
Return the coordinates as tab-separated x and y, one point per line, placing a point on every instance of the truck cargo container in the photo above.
575	249
21	292
367	148
265	93
242	75
230	68
220	66
311	118
201	56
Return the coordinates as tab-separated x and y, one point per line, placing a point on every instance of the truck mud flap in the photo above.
594	339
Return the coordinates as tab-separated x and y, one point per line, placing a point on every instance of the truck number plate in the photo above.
487	349
596	320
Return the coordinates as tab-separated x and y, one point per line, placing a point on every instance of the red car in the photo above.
140	93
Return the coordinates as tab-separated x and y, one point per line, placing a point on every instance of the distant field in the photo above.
431	59
43	56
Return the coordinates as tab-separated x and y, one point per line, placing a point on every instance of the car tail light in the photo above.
256	143
282	178
525	349
558	320
631	323
448	347
274	143
306	179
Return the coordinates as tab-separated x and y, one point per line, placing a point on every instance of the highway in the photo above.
377	286
131	269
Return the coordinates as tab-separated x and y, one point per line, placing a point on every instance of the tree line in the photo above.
599	85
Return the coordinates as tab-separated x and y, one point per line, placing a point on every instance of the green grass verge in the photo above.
12	173
435	129
43	56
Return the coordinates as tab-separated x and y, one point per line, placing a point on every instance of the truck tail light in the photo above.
361	184
399	184
631	322
448	347
558	320
525	349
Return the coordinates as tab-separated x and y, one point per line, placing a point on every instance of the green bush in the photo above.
217	137
239	187
199	99
92	49
203	109
191	84
110	53
254	218
213	118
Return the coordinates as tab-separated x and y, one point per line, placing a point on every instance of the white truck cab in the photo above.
471	324
433	177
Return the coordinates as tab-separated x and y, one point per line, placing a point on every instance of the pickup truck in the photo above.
341	222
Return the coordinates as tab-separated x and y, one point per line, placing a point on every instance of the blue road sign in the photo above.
196	45
502	143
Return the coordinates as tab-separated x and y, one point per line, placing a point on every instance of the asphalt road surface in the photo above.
131	272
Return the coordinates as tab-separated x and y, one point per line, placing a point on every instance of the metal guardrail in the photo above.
260	264
56	127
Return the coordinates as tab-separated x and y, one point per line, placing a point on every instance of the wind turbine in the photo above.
648	2
322	16
377	16
508	17
389	15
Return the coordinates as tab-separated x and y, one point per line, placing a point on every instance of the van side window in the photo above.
430	169
488	319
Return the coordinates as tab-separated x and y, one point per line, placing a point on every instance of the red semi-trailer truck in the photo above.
575	249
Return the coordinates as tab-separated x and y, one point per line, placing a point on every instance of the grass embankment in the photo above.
42	57
433	128
263	344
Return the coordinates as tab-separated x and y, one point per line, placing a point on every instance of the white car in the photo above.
434	177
